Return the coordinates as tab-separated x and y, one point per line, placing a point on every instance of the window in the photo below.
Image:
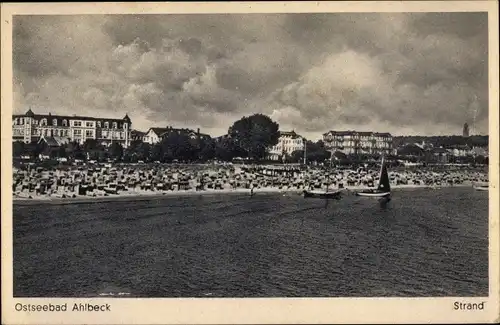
125	126
106	125
43	121
78	132
98	124
89	134
115	126
77	123
89	124
65	123
66	133
54	122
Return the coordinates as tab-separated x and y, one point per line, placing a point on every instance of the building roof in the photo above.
137	133
30	113
222	137
439	150
60	118
54	141
411	149
163	131
358	133
290	134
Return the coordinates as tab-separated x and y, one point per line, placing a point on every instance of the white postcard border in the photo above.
250	310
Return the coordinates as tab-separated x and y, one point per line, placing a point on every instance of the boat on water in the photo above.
323	194
481	187
384	187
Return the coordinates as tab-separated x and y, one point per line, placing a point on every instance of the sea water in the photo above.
424	242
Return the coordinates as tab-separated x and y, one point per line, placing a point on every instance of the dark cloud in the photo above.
461	24
421	73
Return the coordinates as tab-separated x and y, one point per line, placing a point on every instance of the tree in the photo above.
482	160
34	149
411	150
116	150
135	145
226	150
206	149
143	151
255	134
317	152
90	145
340	156
18	148
75	151
297	156
156	152
178	146
62	152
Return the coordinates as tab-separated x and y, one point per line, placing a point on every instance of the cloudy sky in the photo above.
400	73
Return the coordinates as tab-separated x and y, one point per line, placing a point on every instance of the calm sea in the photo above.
423	243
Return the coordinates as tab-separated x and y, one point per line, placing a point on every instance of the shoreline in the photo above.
144	195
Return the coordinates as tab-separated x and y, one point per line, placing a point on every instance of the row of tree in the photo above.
248	138
443	141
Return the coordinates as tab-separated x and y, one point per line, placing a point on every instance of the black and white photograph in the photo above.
251	155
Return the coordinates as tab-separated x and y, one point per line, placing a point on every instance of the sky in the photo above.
403	73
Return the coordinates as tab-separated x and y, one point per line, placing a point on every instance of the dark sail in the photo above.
383	182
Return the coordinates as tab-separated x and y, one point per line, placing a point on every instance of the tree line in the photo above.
249	138
443	141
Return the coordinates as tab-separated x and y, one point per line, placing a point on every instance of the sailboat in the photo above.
384	187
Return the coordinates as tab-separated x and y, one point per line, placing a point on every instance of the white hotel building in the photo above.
288	142
31	127
353	142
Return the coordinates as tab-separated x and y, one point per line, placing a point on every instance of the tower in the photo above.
28	125
466	130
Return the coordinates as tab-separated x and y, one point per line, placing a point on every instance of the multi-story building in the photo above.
31	127
288	142
136	135
155	134
353	142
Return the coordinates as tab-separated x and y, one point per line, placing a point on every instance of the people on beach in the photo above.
100	180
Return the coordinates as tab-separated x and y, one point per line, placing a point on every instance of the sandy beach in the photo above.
138	194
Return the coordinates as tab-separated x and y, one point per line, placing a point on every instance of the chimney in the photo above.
198	131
